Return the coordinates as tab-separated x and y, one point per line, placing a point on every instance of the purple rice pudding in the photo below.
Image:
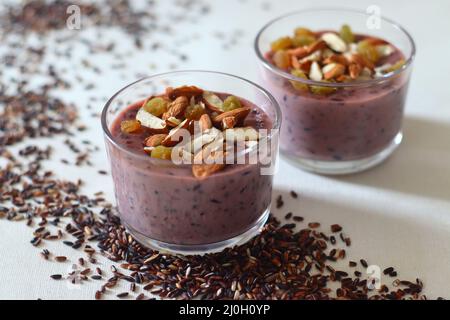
343	95
186	204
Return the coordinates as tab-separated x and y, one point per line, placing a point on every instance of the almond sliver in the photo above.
315	73
150	121
334	42
212	101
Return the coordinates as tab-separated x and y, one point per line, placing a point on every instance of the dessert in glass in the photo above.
182	185
341	83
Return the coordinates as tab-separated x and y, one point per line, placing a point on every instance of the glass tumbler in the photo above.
162	204
356	127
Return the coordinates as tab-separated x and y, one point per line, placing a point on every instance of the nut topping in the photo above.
315	73
187	91
355	70
211	162
333	70
213	102
177	107
228	122
239	114
155	124
188	123
205	122
155	140
334	42
331	57
173	137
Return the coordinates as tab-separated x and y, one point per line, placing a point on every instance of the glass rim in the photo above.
289	76
107	132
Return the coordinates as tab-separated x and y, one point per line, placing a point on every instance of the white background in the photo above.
397	214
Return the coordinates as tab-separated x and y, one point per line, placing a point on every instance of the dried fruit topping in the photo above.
303	40
231	103
301	31
281	44
281	59
368	51
321	90
130	126
194	112
346	34
331	57
297	84
162	152
156	106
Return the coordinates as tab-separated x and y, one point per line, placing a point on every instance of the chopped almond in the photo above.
213	102
155	140
173	137
173	122
315	73
205	170
333	70
187	91
316	46
240	114
228	122
298	52
205	122
334	42
295	63
151	122
336	59
354	70
177	107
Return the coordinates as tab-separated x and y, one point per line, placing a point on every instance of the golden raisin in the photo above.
321	90
281	59
303	31
194	112
303	40
368	51
156	106
281	44
130	126
162	152
231	103
297	84
346	34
